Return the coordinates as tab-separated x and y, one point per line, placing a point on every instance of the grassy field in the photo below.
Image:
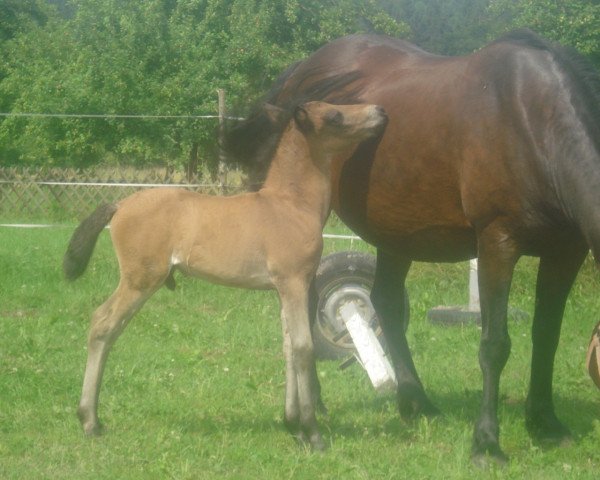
194	387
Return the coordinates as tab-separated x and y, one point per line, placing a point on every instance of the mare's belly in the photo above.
431	244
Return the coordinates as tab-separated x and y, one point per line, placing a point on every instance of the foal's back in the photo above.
157	230
230	240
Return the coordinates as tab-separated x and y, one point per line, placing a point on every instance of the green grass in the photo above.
194	387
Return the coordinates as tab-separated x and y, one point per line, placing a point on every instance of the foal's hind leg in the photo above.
556	275
108	321
387	296
312	315
301	382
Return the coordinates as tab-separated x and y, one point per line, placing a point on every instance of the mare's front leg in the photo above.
556	274
498	255
108	322
387	296
302	389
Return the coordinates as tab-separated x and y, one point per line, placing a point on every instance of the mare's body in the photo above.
492	155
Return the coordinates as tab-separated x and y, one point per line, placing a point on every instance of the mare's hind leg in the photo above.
108	321
556	275
387	296
301	394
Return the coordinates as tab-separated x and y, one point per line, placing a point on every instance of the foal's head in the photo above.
333	129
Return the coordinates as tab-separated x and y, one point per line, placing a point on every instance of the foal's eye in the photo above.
334	117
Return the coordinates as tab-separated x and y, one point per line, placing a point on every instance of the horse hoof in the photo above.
90	423
414	404
93	430
549	431
553	438
321	408
487	460
314	445
314	442
317	445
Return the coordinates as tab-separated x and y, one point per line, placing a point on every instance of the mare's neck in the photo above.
295	174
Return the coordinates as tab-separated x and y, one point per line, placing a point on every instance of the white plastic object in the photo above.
370	353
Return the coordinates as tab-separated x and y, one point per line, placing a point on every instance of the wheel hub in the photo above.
333	304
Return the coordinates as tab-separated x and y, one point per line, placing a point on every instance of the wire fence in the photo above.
70	194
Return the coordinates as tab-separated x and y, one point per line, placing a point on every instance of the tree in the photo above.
446	27
156	57
18	15
571	22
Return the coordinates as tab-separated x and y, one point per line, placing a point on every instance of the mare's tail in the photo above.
83	241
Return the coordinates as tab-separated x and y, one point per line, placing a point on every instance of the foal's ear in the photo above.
303	120
274	114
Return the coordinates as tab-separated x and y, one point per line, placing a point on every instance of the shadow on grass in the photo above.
377	417
577	414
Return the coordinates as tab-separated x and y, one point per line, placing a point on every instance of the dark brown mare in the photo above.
492	155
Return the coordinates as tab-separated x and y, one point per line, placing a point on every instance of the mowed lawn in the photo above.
194	387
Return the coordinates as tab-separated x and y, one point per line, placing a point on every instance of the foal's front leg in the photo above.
301	382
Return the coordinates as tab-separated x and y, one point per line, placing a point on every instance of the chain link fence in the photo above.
71	194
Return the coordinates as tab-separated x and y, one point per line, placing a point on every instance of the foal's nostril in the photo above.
381	111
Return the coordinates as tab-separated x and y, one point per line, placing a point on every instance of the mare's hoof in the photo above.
486	447
548	430
413	403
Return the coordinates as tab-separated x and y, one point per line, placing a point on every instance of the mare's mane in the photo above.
253	141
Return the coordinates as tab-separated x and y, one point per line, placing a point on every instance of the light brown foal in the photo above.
270	239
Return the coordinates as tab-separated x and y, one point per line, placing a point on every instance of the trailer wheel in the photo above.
341	278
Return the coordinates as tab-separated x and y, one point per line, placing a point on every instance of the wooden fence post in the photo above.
222	168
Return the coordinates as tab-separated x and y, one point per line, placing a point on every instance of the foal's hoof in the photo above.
321	408
93	430
486	460
314	443
91	426
317	444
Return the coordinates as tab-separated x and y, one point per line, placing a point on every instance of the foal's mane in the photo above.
584	79
253	141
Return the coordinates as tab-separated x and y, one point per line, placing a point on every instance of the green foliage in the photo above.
164	57
447	27
168	57
17	16
571	22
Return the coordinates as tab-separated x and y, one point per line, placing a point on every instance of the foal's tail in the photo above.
83	241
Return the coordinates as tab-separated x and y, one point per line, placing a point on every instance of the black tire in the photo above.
343	277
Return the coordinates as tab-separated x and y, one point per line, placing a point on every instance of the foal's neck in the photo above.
297	171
